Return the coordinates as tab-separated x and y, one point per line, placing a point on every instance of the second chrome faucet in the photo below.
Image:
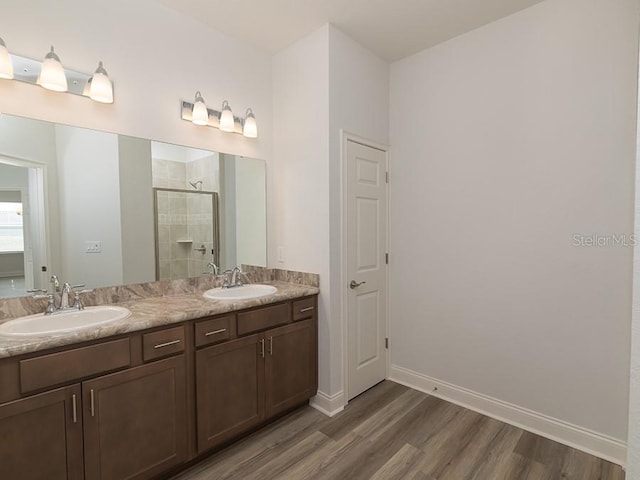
63	303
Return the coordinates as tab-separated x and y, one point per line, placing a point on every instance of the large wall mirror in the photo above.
102	209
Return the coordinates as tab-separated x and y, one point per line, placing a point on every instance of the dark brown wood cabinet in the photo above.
139	405
135	421
229	391
244	382
41	437
290	366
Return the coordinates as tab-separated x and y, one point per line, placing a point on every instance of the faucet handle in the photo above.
51	305
77	301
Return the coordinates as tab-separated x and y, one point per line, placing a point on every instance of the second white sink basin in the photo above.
245	292
65	322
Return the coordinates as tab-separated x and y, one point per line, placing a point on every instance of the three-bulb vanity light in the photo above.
198	113
50	74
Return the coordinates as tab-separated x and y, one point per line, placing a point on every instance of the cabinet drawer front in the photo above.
304	308
162	343
263	318
63	367
213	331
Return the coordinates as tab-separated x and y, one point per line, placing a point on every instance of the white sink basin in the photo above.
245	292
65	322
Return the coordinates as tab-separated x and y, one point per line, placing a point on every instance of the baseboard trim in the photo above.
583	439
329	405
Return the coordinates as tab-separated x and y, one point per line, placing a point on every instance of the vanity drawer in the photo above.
304	308
63	367
213	331
263	318
162	343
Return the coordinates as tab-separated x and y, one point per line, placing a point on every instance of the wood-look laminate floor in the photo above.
393	432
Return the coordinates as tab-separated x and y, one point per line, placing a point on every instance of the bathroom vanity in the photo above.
159	390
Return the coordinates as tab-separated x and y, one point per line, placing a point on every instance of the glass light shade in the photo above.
6	66
101	89
227	123
52	76
250	128
199	113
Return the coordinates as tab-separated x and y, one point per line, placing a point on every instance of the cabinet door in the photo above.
290	367
229	390
135	421
41	437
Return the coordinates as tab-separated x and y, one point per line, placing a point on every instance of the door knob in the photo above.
355	284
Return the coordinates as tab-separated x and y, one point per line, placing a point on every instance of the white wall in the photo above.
13	178
633	444
251	215
322	84
89	160
506	142
136	210
155	56
298	206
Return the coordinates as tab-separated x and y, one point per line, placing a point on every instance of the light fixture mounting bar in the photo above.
214	117
27	70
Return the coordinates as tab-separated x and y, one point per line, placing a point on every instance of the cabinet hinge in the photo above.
386	177
386	343
386	258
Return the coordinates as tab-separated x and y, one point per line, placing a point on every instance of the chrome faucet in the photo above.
232	278
213	267
235	274
64	297
63	304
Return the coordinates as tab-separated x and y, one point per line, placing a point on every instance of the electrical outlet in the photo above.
281	254
93	246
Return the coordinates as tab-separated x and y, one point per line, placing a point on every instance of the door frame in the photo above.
345	137
39	172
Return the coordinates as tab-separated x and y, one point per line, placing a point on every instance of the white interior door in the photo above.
366	247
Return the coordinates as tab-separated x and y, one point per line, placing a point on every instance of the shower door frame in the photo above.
215	209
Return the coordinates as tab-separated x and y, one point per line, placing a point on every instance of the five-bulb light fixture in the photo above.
198	113
50	74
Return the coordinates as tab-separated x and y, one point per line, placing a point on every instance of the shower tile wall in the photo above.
205	169
185	220
200	229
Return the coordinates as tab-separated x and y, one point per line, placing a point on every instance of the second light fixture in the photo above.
198	113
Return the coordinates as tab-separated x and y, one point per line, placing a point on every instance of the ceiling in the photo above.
392	29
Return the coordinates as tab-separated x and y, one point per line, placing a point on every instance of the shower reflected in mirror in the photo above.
187	232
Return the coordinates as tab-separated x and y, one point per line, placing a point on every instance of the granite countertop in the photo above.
153	312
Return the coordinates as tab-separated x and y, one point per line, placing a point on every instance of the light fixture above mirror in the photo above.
51	74
250	128
6	66
199	114
227	123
